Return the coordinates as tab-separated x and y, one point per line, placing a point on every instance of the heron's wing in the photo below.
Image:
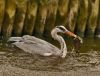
37	46
30	48
31	39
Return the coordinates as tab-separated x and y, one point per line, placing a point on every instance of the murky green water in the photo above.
88	59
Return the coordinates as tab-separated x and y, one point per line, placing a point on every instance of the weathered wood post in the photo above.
10	9
97	33
51	17
93	15
62	12
82	18
72	14
41	18
2	8
20	16
30	17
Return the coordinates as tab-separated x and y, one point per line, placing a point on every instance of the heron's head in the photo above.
62	29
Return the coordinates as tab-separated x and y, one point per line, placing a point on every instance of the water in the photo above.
87	60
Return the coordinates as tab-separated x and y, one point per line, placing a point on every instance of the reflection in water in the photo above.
89	58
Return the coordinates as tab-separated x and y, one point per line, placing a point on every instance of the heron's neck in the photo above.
62	43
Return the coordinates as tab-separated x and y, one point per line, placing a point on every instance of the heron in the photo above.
34	45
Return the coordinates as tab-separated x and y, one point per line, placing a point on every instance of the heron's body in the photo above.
35	45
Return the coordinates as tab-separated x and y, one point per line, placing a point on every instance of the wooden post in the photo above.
51	17
20	16
97	34
82	18
30	17
93	15
10	9
2	8
72	14
41	18
62	12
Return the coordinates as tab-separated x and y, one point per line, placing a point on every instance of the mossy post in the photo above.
72	14
62	12
20	17
41	18
82	18
97	33
30	17
10	9
93	16
51	17
2	8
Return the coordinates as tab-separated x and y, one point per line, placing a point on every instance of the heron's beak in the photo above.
70	34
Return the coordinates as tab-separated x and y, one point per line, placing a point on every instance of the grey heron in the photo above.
34	45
